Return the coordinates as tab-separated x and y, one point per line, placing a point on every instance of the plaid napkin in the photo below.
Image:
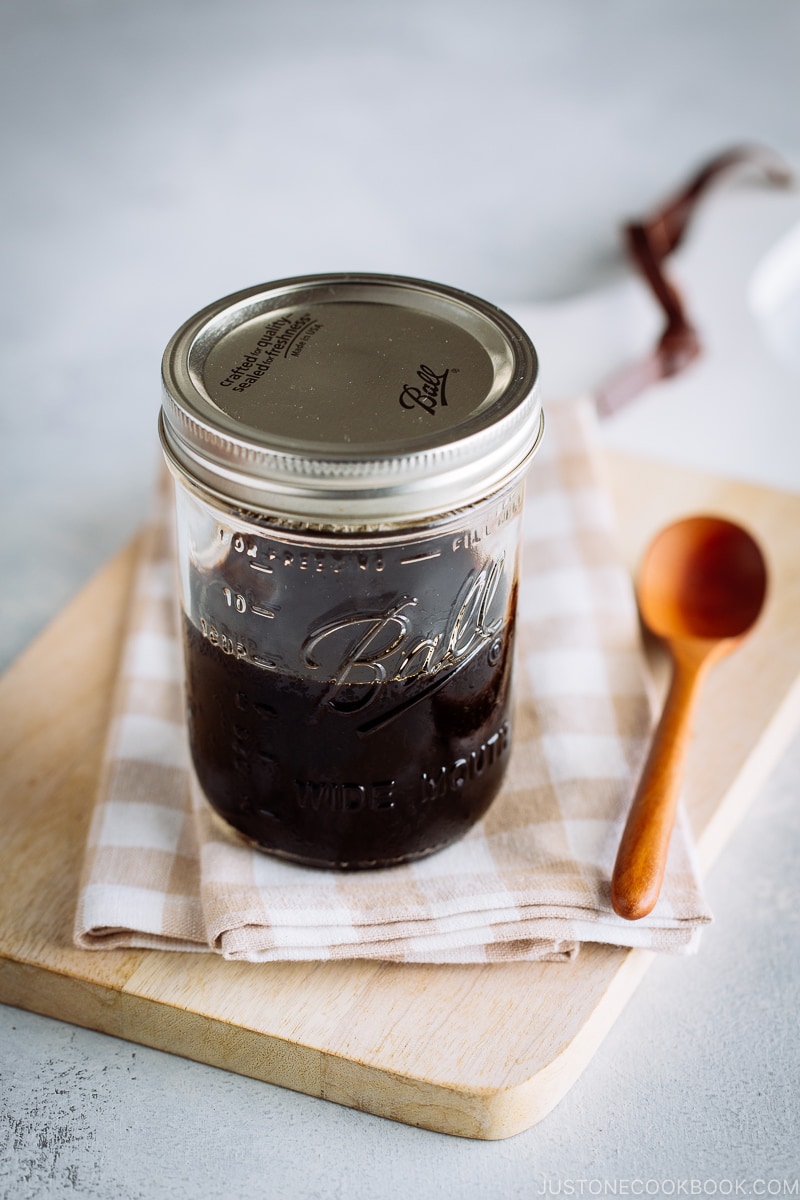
530	882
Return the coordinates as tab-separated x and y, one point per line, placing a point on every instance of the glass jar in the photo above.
349	452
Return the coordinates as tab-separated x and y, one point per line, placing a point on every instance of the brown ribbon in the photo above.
649	242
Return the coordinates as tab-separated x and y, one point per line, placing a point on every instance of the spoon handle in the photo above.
642	855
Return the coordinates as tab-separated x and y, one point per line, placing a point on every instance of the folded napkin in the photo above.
530	882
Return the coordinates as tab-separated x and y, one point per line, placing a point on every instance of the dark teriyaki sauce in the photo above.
343	722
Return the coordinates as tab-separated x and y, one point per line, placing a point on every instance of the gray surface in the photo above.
158	155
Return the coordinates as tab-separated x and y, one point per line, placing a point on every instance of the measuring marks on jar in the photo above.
442	602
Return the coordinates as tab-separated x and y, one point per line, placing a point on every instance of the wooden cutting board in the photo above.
478	1051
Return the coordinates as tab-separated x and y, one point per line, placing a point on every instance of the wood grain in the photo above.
700	590
477	1051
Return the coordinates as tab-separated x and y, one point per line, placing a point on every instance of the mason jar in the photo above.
349	454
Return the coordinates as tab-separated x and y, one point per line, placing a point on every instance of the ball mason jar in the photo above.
349	454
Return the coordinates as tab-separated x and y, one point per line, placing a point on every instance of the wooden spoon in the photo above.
701	587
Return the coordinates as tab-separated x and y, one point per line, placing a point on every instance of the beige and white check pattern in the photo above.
530	882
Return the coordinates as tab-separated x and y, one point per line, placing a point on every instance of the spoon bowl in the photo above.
702	577
701	588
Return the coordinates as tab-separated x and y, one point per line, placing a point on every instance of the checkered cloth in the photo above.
531	881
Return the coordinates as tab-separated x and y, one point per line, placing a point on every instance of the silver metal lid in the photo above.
354	399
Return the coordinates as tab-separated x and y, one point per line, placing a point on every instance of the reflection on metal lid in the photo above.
352	397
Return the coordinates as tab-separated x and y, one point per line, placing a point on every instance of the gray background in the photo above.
160	154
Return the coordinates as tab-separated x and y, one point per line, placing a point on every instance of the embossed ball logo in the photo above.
365	650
